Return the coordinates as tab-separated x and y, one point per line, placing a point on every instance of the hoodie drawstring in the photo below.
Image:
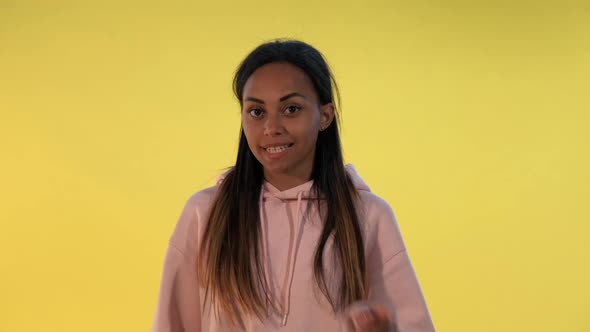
292	256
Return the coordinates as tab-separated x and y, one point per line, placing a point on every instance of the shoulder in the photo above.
374	211
201	200
381	228
191	220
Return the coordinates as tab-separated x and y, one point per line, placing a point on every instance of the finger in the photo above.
364	320
382	314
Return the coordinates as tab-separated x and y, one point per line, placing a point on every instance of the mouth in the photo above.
277	149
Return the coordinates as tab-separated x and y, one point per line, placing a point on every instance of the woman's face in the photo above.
281	118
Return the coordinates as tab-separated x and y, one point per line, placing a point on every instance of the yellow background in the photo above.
469	117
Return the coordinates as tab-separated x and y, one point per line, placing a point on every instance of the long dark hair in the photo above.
230	266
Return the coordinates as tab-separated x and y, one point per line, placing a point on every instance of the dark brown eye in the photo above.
292	110
255	112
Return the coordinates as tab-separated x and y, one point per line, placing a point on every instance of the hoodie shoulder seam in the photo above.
394	255
176	248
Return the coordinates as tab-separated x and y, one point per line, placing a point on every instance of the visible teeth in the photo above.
277	149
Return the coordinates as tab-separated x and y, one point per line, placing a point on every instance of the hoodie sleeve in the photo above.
392	279
178	307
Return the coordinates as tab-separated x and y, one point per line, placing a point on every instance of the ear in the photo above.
326	115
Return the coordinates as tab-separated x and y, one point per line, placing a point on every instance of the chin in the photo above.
276	168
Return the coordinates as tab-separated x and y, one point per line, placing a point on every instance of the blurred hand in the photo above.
370	318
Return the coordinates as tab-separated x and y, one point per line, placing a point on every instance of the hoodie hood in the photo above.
298	193
292	193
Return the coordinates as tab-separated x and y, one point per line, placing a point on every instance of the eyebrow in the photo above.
283	98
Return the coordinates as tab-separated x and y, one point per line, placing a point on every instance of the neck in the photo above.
285	181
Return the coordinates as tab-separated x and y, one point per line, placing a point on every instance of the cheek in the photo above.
312	139
250	131
307	134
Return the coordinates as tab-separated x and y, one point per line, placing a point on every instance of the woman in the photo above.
290	238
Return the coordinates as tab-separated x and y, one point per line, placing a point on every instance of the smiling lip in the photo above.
275	145
274	151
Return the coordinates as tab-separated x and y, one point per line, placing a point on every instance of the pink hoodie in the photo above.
290	232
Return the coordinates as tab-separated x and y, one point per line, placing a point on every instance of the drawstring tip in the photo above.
284	323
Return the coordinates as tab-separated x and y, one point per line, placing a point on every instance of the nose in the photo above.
273	125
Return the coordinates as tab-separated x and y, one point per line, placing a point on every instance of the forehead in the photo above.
277	79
